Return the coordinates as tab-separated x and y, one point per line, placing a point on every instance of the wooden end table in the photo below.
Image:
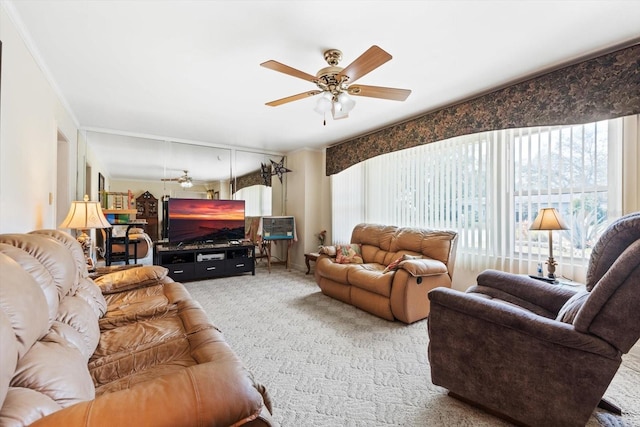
313	256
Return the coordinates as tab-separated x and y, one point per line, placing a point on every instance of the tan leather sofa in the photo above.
397	294
132	348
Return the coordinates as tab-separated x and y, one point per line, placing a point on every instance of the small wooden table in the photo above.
313	256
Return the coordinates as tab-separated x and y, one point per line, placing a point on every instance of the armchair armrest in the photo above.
204	394
134	278
423	267
515	318
542	294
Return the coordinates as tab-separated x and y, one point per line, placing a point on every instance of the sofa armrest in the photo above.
423	267
515	318
204	394
545	295
133	278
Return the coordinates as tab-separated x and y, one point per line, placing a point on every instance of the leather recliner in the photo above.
538	353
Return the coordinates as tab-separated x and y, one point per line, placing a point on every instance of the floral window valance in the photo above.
602	88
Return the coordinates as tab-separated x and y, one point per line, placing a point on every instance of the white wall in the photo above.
307	200
30	116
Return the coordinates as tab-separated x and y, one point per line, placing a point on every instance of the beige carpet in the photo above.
326	363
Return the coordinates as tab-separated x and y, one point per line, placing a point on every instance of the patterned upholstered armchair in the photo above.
537	353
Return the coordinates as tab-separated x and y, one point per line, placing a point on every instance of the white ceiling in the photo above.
189	71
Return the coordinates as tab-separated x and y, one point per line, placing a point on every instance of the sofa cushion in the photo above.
76	313
124	350
55	369
24	406
90	292
434	244
23	302
58	262
374	235
70	243
349	254
37	271
373	254
370	277
8	354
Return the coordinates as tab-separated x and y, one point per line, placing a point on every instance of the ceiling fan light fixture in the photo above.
347	103
186	184
324	104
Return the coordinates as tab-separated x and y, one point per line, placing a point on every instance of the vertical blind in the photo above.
257	200
488	187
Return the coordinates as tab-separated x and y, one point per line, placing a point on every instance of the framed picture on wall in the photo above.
100	186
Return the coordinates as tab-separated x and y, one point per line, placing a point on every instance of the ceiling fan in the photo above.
185	180
337	83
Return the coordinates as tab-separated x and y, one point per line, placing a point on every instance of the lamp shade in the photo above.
548	219
84	215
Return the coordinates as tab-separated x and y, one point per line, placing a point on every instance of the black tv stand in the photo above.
198	261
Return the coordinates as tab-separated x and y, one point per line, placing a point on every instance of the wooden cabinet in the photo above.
147	208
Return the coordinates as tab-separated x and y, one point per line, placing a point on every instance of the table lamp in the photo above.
549	219
85	215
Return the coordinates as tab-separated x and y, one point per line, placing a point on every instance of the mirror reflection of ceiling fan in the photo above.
336	84
185	180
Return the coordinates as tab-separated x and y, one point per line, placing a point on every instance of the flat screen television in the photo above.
205	220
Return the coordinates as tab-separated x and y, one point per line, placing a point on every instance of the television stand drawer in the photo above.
181	272
209	268
240	265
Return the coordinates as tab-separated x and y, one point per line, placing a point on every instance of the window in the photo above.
567	168
488	187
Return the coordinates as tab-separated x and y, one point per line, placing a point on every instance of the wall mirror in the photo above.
159	166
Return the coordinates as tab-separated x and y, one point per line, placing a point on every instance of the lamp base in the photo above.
551	267
85	241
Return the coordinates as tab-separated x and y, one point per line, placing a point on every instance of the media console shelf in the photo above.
205	261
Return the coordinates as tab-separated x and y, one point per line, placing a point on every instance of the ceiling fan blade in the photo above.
168	179
277	66
293	98
365	63
379	92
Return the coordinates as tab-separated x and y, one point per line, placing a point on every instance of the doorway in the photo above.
64	185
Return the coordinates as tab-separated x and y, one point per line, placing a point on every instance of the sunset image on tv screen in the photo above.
204	220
